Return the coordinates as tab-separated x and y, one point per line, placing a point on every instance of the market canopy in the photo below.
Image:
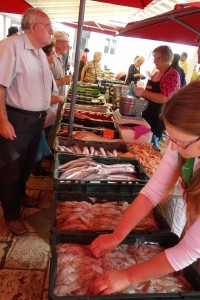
96	27
14	6
131	3
180	25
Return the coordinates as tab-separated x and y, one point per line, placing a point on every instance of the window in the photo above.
110	46
113	47
107	46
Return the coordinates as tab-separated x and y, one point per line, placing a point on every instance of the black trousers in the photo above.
17	158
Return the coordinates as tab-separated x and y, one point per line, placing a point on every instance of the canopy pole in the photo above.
76	66
184	24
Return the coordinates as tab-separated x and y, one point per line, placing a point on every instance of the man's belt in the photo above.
38	114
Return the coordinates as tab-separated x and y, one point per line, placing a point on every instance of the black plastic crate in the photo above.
63	196
116	187
92	123
162	239
77	127
110	146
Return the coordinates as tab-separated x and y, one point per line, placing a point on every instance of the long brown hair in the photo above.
182	111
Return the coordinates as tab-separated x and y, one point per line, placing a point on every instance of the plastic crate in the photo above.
77	127
116	187
92	123
62	196
163	239
110	146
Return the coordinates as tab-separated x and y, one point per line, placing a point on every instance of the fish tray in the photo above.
164	239
158	215
90	108
77	127
100	186
87	102
92	123
107	146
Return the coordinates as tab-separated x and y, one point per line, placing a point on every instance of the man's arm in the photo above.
6	129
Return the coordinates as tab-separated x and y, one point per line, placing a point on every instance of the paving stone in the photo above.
40	183
45	296
45	199
24	260
28	252
47	277
5	234
21	284
3	250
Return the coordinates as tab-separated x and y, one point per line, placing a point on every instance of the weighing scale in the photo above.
129	120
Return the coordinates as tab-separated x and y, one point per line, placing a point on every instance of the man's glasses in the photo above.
51	53
48	25
183	147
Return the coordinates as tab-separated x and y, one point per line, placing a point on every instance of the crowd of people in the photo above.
32	84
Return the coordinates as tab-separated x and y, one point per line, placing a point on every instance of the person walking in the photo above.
184	63
25	93
175	66
85	54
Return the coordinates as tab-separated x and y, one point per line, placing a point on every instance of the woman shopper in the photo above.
134	70
181	116
159	88
92	69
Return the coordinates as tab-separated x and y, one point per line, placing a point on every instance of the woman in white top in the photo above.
181	116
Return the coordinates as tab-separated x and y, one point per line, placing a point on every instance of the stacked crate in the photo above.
96	192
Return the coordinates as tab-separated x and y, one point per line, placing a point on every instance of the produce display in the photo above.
71	215
77	268
87	95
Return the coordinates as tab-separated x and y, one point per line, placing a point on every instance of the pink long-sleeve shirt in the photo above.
188	249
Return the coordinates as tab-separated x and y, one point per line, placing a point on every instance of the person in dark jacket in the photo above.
134	70
175	66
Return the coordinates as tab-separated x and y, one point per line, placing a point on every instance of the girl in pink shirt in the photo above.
181	116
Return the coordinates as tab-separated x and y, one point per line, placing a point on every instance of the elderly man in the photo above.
25	93
62	45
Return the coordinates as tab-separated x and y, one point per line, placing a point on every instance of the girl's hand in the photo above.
109	283
103	244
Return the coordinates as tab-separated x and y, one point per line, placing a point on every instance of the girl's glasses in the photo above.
183	147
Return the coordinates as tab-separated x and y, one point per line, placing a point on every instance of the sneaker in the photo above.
17	227
29	201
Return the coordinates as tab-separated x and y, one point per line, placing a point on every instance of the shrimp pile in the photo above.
146	155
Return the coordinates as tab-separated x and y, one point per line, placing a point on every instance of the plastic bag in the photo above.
43	148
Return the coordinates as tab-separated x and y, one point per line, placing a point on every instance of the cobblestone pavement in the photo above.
24	260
